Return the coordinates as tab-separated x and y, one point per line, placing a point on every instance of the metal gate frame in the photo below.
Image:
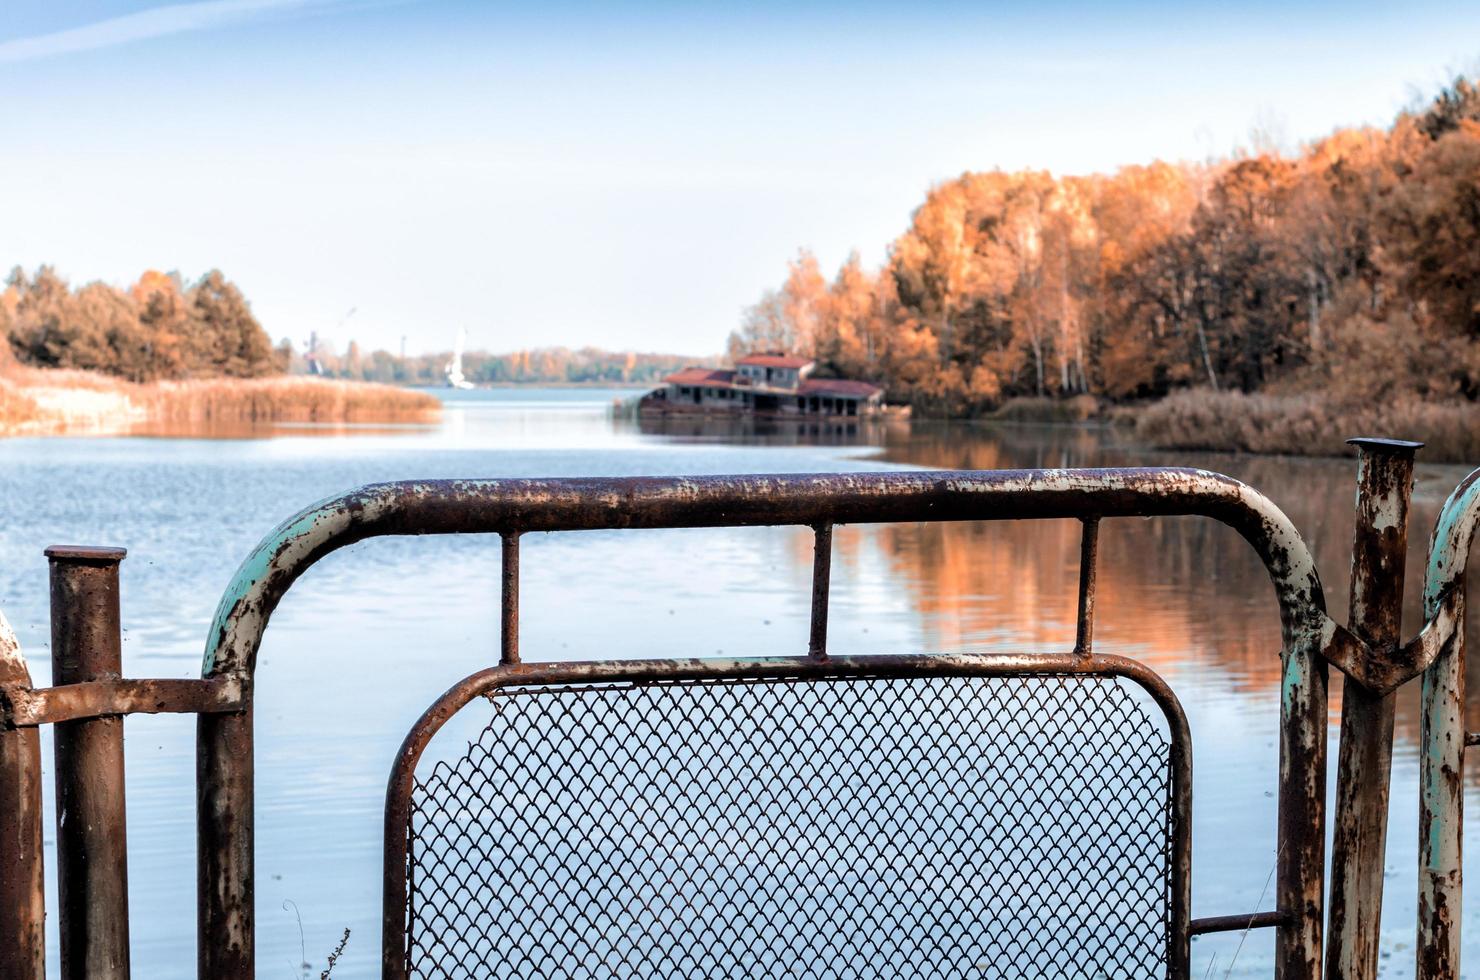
511	508
89	696
817	666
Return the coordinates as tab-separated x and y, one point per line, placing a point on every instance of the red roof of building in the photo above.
774	360
702	377
838	386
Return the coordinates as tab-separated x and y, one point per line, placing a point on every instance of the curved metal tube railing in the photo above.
512	507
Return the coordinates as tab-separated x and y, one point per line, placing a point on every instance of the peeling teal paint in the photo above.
1292	680
1453	535
256	567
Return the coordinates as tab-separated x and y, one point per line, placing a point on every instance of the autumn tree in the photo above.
1350	267
155	329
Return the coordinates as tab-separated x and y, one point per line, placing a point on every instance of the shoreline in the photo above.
1307	425
59	402
55	402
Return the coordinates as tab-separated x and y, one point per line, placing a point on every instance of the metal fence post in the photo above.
92	851
22	902
1379	548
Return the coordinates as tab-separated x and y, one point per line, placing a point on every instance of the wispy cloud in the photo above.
145	24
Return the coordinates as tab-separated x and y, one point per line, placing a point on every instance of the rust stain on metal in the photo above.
1089	554
1364	765
92	849
821	584
121	696
1237	923
509	601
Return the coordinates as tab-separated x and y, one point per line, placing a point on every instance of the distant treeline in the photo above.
545	365
160	328
1351	268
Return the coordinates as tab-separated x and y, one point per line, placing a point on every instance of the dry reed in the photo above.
44	400
285	400
1306	424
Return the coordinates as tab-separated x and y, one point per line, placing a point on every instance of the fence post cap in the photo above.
99	554
1373	444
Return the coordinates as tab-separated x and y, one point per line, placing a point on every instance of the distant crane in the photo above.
454	369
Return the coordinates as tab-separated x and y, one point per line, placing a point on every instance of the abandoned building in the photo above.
769	383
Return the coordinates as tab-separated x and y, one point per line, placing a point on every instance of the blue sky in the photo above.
627	175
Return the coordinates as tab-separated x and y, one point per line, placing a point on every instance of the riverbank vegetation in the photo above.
88	361
1296	424
163	328
1339	285
42	401
286	399
80	402
160	328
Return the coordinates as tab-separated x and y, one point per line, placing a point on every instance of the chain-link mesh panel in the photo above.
919	827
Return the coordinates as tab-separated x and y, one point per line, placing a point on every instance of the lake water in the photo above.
375	632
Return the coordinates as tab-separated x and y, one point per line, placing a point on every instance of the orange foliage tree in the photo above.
1352	267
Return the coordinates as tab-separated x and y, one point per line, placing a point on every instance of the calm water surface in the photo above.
374	632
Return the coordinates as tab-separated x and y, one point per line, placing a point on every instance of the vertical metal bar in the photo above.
226	922
509	623
1441	810
92	847
1179	935
821	584
1300	860
1442	745
1089	556
1364	767
22	885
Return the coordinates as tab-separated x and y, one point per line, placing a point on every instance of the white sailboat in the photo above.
454	369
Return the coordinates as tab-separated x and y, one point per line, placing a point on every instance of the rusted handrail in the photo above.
513	507
520	506
1443	738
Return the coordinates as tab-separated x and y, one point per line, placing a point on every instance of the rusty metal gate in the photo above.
632	884
951	815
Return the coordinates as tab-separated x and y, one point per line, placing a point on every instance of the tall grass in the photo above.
1307	424
46	400
285	400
